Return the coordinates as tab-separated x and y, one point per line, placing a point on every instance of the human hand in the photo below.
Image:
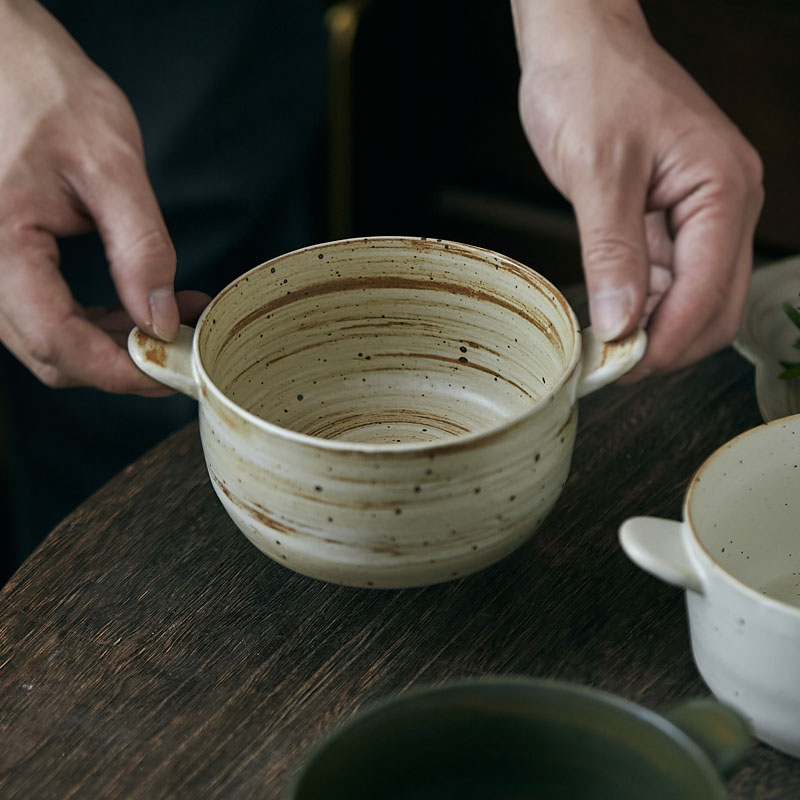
666	191
71	159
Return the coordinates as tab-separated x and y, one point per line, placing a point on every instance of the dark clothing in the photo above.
229	97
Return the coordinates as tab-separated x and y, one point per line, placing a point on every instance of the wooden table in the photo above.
148	650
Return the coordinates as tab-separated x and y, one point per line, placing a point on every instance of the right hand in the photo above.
666	190
71	159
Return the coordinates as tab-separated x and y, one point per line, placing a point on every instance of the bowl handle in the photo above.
169	363
604	362
659	547
720	732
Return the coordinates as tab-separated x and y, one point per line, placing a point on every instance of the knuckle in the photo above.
51	376
116	158
41	348
739	172
607	252
150	247
752	167
718	295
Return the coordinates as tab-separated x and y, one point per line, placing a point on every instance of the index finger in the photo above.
706	255
42	325
118	196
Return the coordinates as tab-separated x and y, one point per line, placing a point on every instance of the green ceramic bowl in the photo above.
515	739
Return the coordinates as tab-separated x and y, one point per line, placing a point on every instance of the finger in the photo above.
610	218
40	325
659	285
190	305
706	256
659	242
117	323
722	329
118	196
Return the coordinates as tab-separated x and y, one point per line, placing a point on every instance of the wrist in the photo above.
546	30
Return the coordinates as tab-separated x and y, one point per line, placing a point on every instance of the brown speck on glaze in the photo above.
391	551
154	352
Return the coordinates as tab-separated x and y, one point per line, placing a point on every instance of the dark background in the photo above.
423	136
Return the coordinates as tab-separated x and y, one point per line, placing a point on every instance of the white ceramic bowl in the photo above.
767	336
737	553
387	412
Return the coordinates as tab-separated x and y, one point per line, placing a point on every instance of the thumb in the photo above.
140	253
615	260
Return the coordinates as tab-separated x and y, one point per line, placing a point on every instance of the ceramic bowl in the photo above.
767	336
387	412
484	739
737	553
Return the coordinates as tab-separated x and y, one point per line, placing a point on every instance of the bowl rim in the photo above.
701	549
411	448
514	684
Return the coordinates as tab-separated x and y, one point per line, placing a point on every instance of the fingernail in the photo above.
611	312
164	314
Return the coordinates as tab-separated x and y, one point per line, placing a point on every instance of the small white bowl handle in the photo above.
659	547
169	363
604	362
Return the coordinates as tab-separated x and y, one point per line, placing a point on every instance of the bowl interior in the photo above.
505	741
388	340
745	506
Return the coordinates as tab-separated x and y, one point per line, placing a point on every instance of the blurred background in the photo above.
422	135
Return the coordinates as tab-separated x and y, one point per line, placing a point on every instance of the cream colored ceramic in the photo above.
737	553
767	336
387	412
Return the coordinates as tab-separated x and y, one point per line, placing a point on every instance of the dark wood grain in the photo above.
148	650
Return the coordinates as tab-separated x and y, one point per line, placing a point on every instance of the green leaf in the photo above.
790	371
792	313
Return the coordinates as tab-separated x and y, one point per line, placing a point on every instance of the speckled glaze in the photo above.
387	412
737	553
767	336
